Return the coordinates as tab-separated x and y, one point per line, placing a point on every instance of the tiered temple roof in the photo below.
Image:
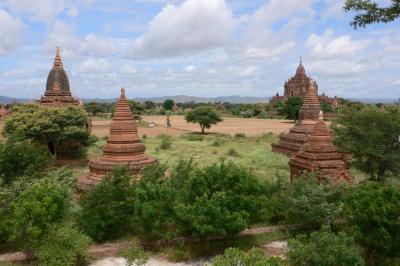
57	87
310	112
298	85
123	147
320	155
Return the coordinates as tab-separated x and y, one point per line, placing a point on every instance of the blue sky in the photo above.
194	47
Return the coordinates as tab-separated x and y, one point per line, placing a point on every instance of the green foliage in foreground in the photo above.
372	136
39	207
107	209
255	257
373	212
21	158
324	249
369	12
219	200
63	246
205	116
135	255
54	127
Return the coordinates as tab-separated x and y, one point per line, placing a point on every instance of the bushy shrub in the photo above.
372	213
255	257
166	141
21	158
63	246
324	248
107	209
37	208
233	153
219	200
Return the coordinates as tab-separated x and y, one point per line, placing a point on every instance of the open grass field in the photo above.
252	150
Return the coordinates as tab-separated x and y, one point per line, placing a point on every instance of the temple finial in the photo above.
301	60
123	92
57	59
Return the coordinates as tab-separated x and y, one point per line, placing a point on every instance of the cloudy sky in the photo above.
194	47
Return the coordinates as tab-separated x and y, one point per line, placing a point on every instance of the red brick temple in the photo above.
292	141
298	85
57	87
319	155
123	148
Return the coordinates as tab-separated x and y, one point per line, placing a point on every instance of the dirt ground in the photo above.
249	126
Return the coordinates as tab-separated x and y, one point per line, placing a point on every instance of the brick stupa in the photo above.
57	86
123	148
292	141
320	155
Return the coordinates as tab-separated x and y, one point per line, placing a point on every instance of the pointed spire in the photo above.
57	59
300	69
122	93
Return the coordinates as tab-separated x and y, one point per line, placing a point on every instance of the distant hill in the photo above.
186	99
7	100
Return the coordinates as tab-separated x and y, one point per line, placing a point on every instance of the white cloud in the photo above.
95	65
11	30
128	70
190	69
95	45
73	12
327	46
193	26
38	10
62	35
271	30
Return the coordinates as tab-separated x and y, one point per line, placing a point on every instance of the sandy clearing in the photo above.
249	126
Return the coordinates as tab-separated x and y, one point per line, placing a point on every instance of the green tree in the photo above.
95	107
63	130
369	12
205	116
63	246
255	257
310	204
37	208
154	213
327	108
168	104
324	248
292	107
372	214
107	209
137	108
149	105
21	158
220	200
372	136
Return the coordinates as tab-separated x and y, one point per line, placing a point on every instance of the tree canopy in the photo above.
369	12
64	130
168	104
292	107
324	248
205	116
108	208
372	213
372	136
